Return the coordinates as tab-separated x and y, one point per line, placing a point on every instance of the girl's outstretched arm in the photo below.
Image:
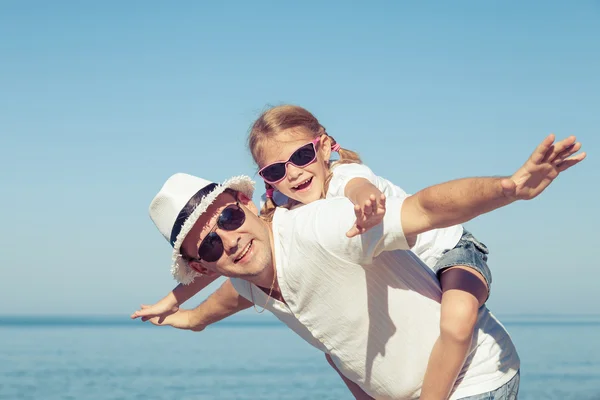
172	301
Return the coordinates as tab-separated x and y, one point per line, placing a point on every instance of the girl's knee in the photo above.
458	319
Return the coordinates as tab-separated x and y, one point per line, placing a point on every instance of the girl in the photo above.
292	150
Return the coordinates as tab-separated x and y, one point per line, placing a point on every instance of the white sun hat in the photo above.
178	205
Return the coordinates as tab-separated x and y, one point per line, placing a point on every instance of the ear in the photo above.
198	267
325	150
247	202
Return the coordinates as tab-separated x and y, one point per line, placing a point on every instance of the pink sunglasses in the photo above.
301	157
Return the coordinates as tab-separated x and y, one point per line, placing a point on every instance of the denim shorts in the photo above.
508	391
469	252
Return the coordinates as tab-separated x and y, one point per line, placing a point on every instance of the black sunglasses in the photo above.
230	219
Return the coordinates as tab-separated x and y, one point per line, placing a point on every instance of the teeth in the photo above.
302	183
245	251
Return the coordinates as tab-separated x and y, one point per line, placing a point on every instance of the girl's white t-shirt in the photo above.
429	246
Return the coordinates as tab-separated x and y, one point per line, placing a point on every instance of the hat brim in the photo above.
180	269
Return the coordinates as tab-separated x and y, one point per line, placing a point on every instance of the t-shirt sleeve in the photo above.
331	220
242	287
342	174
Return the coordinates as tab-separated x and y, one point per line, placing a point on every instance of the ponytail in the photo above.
268	209
346	157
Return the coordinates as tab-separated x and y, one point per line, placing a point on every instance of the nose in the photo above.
293	172
230	240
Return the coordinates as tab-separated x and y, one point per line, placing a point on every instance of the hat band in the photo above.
188	209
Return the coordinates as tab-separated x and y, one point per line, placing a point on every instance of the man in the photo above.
368	304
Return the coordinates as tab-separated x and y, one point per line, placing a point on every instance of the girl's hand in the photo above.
181	319
162	309
369	210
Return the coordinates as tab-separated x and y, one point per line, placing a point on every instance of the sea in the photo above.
245	357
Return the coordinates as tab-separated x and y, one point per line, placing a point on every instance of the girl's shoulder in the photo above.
341	174
349	168
354	170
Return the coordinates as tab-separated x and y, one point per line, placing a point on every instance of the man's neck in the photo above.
269	282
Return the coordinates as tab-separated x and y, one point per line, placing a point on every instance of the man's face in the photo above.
247	251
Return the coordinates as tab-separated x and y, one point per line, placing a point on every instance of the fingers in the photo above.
368	207
568	152
374	204
362	214
140	312
367	215
569	162
380	210
354	231
540	152
558	148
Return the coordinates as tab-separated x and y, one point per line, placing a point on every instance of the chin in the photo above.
310	197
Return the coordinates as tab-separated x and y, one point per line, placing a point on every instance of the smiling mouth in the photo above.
303	185
244	252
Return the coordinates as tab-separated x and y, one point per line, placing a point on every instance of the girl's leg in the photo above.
464	290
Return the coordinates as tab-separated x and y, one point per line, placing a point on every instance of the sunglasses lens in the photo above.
274	172
211	248
303	156
231	218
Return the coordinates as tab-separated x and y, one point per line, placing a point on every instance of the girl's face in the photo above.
292	147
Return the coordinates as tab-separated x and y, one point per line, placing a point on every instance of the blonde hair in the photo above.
278	119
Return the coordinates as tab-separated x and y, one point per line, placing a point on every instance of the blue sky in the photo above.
101	102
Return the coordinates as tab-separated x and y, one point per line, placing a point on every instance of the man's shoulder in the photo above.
321	223
312	239
316	233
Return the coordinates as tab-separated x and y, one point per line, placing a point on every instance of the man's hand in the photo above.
162	309
544	165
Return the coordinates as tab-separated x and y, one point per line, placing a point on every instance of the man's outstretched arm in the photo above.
461	200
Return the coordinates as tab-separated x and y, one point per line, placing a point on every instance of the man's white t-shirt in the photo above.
372	306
